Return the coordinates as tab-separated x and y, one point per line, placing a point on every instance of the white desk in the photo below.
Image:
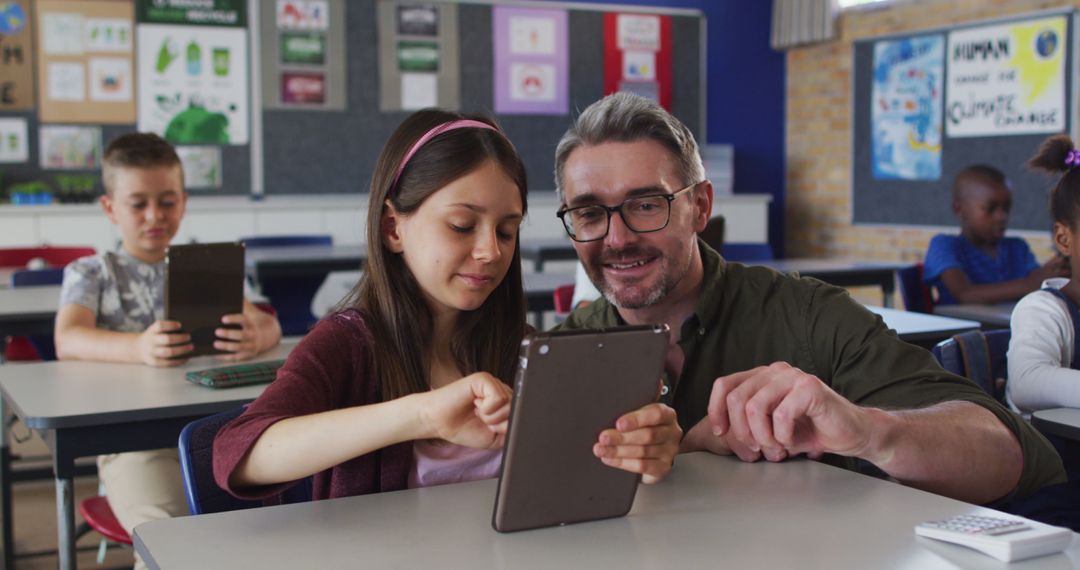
28	310
711	512
90	408
920	328
843	273
991	316
1064	422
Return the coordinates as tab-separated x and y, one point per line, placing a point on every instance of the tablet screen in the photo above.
203	282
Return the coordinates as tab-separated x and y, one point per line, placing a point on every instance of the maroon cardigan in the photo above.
330	369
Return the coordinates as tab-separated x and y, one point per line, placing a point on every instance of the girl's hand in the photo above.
472	411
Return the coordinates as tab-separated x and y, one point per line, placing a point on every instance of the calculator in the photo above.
1005	538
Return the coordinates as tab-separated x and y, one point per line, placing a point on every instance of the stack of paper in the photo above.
719	160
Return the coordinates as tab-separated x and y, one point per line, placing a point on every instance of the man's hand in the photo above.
644	441
162	345
780	411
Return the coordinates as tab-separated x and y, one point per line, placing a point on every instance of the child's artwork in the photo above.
13	144
906	115
1007	79
202	166
70	148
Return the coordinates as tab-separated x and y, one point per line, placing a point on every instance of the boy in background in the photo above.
111	308
981	265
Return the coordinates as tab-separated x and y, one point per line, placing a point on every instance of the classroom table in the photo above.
710	511
991	316
84	409
1064	422
540	251
843	273
269	262
23	311
920	328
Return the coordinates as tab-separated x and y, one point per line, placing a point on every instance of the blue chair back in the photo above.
37	277
979	356
291	295
747	252
197	466
42	343
285	241
915	293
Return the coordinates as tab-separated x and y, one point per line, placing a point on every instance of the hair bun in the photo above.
1056	154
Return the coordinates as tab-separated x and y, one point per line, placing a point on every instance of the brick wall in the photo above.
818	138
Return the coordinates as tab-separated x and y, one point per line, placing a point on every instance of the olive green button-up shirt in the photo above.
754	316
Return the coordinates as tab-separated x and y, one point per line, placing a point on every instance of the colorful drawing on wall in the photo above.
70	148
307	87
531	61
192	71
907	108
418	56
16	56
1007	79
14	147
303	48
202	166
85	52
303	15
637	55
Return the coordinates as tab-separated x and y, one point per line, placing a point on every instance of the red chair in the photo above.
564	296
53	256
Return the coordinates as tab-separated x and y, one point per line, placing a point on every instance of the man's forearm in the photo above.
957	449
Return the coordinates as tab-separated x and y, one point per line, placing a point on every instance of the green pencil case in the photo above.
237	374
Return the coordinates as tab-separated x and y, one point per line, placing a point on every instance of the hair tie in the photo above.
1072	158
445	127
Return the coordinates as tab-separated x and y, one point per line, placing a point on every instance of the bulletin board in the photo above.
930	103
324	136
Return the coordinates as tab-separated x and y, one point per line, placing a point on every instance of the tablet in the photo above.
203	282
570	386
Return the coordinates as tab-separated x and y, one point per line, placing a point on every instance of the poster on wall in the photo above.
1007	79
192	70
85	52
907	108
69	147
201	165
637	55
531	67
16	56
305	44
14	147
418	56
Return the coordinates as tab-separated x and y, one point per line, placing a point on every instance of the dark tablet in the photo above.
203	282
570	386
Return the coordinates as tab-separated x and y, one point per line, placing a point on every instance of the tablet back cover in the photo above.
203	282
570	387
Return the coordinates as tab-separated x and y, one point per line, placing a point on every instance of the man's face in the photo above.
634	270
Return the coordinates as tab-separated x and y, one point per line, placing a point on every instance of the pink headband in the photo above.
434	132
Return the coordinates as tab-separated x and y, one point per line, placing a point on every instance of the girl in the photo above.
1044	364
402	388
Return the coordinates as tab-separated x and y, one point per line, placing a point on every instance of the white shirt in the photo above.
1041	353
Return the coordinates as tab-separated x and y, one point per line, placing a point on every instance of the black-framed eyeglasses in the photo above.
641	214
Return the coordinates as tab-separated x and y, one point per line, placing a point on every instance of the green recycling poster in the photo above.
192	70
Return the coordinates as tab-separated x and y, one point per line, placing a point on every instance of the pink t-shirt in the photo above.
438	463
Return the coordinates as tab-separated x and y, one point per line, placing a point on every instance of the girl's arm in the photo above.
471	411
1042	339
77	337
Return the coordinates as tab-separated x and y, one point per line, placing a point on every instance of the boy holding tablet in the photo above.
111	306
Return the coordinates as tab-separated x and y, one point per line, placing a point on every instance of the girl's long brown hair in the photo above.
388	296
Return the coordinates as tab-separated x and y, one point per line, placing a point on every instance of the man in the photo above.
763	364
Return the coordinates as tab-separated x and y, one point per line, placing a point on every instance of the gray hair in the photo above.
624	117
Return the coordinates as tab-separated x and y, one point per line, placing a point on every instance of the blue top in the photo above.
1014	260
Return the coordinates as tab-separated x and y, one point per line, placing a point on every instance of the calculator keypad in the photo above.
974	524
